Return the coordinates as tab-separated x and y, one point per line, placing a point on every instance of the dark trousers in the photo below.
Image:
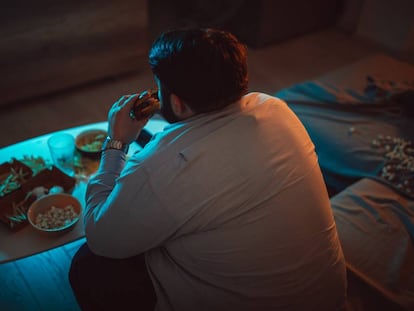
101	283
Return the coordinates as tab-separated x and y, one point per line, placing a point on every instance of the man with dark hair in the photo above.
208	74
226	209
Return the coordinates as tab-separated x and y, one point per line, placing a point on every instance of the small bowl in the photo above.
59	201
89	143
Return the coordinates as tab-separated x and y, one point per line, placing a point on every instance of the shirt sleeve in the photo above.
123	215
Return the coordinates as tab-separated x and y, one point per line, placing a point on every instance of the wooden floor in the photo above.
40	282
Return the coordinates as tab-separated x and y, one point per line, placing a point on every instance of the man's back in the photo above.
248	224
228	203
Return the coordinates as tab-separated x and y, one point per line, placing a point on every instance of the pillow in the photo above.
376	229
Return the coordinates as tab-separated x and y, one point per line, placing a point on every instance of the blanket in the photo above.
359	135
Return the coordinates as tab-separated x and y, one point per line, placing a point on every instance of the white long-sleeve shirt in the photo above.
231	210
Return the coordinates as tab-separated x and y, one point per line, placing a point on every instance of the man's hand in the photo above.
120	125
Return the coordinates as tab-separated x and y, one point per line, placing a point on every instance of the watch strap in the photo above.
110	143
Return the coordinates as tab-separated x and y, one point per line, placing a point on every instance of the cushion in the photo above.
376	228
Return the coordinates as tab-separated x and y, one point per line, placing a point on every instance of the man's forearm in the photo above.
102	183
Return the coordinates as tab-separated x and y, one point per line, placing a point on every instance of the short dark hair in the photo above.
207	68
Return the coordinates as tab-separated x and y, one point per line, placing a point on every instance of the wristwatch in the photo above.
110	143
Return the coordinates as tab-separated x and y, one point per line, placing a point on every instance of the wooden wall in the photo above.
47	46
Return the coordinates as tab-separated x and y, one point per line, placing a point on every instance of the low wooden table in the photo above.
27	241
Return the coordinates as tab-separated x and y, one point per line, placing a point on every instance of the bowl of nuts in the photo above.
89	142
54	213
